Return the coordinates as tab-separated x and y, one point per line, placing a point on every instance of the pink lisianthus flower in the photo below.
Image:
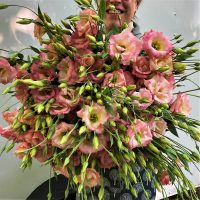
68	96
144	94
115	78
9	116
79	42
41	155
94	117
124	45
87	147
51	54
32	137
62	170
159	63
38	73
165	178
59	108
129	78
22	93
105	160
160	87
38	30
141	67
143	130
84	57
156	44
68	71
158	127
22	146
61	130
9	133
181	104
92	178
42	95
86	25
7	72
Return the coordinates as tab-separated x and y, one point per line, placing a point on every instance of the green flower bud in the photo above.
101	193
82	130
37	124
112	123
17	125
24	127
82	69
66	25
142	161
183	125
178	51
133	177
157	185
163	69
25	66
192	51
192	43
33	152
86	2
196	156
122	127
45	65
40	107
125	168
123	89
89	98
24	21
64	139
100	102
91	38
75	179
186	157
134	192
9	147
3	6
7	90
81	90
179	67
138	138
153	148
131	87
125	110
95	142
100	75
96	18
66	162
98	95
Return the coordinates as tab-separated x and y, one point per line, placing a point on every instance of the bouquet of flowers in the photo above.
91	100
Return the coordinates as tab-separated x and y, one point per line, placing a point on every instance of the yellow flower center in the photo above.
93	117
156	45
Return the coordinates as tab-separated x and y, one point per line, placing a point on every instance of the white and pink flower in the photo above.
141	128
125	49
158	127
160	87
7	72
156	44
94	117
181	104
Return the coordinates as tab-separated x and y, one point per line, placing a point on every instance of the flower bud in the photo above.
123	89
133	177
24	21
100	102
191	51
157	185
163	69
179	67
24	127
131	87
91	38
192	43
64	139
183	125
125	168
100	43
153	148
101	193
134	192
125	110
25	66
98	95
49	121
141	160
66	162
82	130
196	156
40	108
3	6
62	85
95	142
178	51
33	152
9	147
100	75
81	90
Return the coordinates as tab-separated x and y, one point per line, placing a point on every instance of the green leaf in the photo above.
3	6
172	128
40	13
35	49
102	9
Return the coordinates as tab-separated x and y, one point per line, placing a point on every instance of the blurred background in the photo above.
170	16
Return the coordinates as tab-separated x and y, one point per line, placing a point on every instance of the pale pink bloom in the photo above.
79	42
160	87
39	73
59	108
66	39
38	30
7	72
51	54
86	25
141	67
165	178
62	170
115	78
68	71
158	63
129	78
42	95
92	178
105	160
22	93
156	44
94	117
32	137
84	57
61	130
68	96
143	94
9	116
9	133
124	45
145	134
41	156
158	127
87	147
181	104
22	146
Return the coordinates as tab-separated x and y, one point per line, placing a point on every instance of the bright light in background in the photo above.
27	29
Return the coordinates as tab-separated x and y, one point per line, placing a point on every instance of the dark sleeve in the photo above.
58	187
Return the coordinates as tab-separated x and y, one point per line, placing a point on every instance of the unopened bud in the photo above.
95	142
82	130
